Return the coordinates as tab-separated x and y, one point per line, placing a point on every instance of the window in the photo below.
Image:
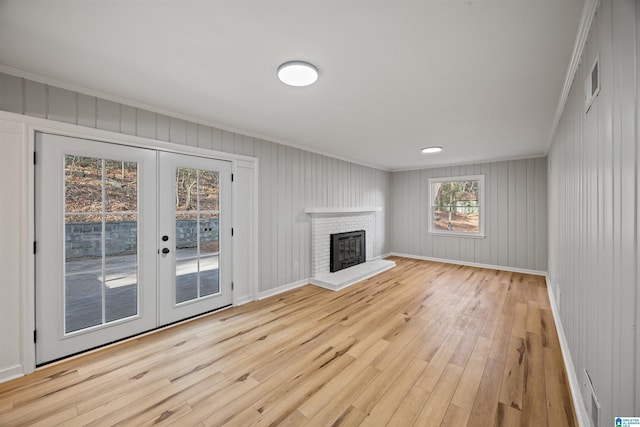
456	206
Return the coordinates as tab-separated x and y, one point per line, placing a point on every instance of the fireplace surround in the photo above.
327	221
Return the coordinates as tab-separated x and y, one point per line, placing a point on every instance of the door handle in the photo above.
165	250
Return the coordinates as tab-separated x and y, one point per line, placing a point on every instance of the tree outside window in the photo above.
456	205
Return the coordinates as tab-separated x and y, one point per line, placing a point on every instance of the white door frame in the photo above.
243	292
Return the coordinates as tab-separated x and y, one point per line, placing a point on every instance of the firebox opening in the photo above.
347	250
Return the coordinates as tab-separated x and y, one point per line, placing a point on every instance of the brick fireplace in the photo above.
327	221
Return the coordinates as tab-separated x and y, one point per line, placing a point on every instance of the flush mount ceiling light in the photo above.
430	150
297	73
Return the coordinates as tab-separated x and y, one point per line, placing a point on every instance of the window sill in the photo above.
454	234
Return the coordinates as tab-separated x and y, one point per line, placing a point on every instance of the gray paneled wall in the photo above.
515	215
290	179
593	215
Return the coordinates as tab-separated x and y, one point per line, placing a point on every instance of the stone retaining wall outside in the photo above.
85	239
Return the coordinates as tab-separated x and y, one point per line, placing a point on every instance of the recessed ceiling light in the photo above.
430	150
297	73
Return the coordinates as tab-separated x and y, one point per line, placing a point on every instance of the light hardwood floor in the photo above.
422	344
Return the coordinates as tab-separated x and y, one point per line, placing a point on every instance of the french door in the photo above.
128	239
194	271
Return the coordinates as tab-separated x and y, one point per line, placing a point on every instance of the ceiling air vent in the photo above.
592	84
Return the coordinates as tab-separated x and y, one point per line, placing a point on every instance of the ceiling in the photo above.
480	78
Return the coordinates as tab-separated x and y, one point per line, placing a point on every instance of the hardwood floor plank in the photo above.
437	334
514	374
462	352
410	408
397	344
387	405
48	405
351	417
559	403
166	417
468	386
58	418
501	338
367	337
507	416
230	404
58	380
520	320
533	317
439	363
217	397
543	298
294	419
278	405
534	405
205	406
424	343
438	402
485	404
5	406
314	404
125	404
549	332
343	401
493	318
455	416
247	416
532	288
379	386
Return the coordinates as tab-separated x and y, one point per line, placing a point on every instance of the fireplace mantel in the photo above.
326	211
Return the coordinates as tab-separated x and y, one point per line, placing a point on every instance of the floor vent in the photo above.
595	405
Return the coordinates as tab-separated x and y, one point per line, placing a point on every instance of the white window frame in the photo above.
481	205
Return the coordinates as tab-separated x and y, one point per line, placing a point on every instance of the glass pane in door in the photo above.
101	241
121	267
209	250
209	254
196	234
83	273
186	256
208	190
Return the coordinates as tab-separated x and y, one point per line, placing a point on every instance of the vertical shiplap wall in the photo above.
12	267
290	179
515	215
593	214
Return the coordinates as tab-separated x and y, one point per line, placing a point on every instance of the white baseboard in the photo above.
574	383
11	373
283	288
472	264
383	256
244	300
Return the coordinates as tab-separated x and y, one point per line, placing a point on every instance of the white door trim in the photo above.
27	178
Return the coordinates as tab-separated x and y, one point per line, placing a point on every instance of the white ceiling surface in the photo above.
480	78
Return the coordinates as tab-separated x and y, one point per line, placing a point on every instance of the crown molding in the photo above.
584	27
